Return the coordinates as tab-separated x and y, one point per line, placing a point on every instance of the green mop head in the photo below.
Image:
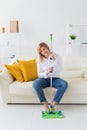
56	114
51	114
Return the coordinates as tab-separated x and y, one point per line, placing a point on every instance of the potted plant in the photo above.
72	37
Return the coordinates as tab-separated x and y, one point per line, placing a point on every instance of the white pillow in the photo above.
74	63
72	74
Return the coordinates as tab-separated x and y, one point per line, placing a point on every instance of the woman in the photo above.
46	67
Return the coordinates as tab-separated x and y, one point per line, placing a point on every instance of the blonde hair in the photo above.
42	44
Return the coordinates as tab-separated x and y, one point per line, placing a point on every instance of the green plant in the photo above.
72	37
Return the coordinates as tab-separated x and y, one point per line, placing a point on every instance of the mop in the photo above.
51	113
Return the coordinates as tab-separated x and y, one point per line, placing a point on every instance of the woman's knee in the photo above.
36	84
64	84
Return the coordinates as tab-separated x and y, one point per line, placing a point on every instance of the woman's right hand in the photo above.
50	70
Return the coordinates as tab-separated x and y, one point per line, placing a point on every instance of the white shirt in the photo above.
44	65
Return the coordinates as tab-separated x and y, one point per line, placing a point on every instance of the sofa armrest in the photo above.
5	80
4	87
6	76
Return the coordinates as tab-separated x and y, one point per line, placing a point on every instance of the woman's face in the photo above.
45	52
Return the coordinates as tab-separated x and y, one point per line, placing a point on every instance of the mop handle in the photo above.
51	38
51	86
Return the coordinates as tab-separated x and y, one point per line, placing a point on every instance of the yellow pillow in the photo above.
29	69
15	70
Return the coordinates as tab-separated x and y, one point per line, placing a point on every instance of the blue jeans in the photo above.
58	83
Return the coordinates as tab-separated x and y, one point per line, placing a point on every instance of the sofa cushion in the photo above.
25	89
15	71
21	89
76	87
29	69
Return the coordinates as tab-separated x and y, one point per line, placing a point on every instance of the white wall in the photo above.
37	19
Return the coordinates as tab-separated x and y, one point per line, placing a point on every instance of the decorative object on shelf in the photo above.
14	27
3	29
12	56
72	37
0	70
84	43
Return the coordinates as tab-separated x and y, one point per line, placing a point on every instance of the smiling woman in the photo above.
43	51
49	69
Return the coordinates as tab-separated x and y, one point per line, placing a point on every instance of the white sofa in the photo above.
74	71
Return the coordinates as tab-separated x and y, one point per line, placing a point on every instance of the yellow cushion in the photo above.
29	69
15	71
